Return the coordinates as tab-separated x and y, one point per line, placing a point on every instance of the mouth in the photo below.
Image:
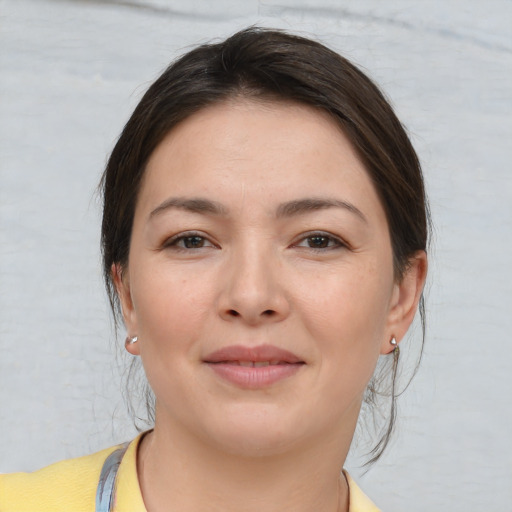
253	364
253	367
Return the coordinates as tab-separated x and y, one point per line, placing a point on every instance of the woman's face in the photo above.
260	278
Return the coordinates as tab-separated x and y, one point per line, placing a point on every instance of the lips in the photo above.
259	354
253	367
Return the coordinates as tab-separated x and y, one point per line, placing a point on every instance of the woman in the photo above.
264	234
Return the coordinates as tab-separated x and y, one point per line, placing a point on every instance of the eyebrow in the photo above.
194	205
307	205
288	209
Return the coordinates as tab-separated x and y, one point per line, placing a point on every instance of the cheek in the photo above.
171	306
346	314
173	311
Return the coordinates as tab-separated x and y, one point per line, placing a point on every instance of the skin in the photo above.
318	282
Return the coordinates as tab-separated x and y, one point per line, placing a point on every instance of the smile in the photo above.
253	367
255	364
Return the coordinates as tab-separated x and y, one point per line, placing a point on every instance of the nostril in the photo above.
269	314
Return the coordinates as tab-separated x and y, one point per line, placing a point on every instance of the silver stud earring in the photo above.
396	349
131	340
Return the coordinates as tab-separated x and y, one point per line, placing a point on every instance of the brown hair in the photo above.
274	65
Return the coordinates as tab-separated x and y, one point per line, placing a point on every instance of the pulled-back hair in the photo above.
265	64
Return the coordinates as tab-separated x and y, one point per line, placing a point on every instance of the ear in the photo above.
404	302
122	284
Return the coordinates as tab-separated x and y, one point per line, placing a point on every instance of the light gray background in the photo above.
70	74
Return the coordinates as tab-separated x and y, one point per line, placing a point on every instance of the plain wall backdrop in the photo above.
70	74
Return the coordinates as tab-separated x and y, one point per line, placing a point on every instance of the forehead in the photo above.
279	149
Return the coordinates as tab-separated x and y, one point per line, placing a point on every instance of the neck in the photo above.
178	472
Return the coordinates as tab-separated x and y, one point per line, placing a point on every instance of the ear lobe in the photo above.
122	284
404	303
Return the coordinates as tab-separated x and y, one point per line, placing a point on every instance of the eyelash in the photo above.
175	240
332	241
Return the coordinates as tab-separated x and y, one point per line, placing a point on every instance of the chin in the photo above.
255	444
255	433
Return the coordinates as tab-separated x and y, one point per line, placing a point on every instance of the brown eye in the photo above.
318	242
188	241
193	242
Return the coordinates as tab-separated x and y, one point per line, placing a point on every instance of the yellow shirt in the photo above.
70	486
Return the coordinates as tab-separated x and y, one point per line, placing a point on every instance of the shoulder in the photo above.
63	486
359	502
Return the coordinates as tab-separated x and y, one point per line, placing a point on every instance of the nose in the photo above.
253	291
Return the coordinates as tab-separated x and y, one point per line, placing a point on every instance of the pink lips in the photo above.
253	367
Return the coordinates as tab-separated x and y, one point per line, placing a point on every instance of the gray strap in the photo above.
106	484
